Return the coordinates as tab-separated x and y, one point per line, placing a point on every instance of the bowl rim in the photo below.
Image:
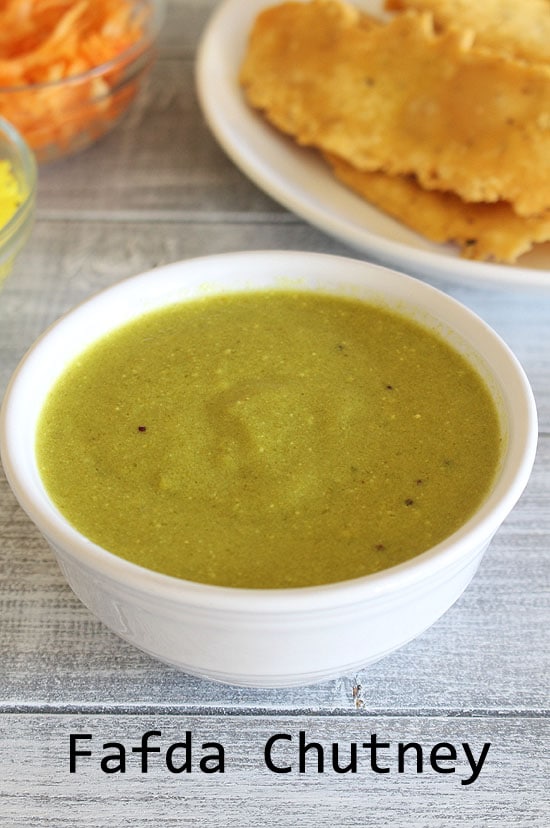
30	173
135	50
450	555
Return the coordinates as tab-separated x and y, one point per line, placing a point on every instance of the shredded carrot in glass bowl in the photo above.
70	68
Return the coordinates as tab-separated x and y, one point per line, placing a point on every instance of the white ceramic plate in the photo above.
299	180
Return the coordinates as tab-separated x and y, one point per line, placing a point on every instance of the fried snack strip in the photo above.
486	232
402	99
520	28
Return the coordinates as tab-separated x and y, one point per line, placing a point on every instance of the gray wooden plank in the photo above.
176	165
37	787
184	22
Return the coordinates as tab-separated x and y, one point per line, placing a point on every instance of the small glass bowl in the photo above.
76	111
14	233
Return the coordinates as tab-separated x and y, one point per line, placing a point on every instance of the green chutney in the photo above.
269	439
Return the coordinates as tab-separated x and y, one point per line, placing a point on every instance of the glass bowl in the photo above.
20	175
62	117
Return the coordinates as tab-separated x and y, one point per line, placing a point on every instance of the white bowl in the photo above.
280	637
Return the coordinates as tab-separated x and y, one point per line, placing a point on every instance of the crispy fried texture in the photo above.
520	28
482	231
402	99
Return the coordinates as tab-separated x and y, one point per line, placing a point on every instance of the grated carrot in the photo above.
43	42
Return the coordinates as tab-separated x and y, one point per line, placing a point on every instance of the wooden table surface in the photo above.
156	190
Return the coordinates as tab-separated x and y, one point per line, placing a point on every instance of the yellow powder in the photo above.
10	199
10	194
